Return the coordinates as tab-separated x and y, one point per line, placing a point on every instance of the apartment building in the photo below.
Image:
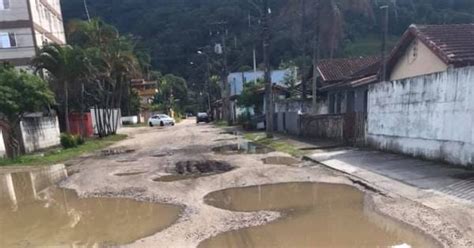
25	26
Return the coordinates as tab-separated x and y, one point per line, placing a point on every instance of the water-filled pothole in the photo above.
242	148
135	173
314	215
115	151
31	216
281	160
162	154
194	169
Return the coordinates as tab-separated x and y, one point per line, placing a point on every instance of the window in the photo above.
4	4
7	40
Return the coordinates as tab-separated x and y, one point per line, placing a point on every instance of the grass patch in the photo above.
278	145
59	155
143	124
221	123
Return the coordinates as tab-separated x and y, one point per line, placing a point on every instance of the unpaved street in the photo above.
153	153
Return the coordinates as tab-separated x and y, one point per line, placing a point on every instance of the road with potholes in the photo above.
153	153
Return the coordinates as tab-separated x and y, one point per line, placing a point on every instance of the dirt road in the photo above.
152	153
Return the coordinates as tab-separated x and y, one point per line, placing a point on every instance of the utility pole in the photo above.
316	54
303	49
266	61
384	41
226	101
254	53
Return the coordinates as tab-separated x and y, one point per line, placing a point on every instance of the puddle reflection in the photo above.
33	214
315	215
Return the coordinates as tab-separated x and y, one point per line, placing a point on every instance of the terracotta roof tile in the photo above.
341	69
454	44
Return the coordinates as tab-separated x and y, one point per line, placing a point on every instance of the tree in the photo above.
65	65
172	92
21	93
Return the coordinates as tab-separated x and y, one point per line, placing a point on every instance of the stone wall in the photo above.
323	126
429	116
39	132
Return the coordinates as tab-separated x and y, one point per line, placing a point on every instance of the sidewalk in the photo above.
384	168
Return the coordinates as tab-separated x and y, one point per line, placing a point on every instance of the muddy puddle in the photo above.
281	160
185	170
314	215
242	148
33	213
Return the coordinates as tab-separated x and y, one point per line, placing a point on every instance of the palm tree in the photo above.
65	65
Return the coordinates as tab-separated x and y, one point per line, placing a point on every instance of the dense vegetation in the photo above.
173	30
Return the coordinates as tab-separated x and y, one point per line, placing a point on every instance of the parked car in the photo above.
161	120
202	117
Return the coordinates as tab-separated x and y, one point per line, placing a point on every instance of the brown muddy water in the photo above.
242	148
34	213
314	215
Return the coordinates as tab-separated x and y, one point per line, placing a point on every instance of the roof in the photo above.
453	43
341	69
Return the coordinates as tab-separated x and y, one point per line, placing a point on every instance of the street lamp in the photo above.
208	74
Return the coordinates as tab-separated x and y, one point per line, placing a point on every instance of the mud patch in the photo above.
126	174
314	215
236	133
242	148
281	160
194	169
228	139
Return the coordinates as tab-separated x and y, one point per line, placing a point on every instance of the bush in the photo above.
71	141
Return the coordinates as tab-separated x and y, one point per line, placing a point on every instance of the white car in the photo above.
161	120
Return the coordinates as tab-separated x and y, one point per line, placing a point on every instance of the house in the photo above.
426	49
344	82
25	26
147	91
425	107
237	80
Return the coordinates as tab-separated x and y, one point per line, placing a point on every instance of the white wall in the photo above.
115	118
3	152
40	132
429	116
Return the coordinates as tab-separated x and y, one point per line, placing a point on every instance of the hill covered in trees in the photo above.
172	31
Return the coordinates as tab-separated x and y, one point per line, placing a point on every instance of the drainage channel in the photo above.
314	215
36	213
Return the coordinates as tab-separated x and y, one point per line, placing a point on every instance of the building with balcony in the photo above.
25	26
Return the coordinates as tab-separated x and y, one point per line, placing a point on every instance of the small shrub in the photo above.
80	140
71	141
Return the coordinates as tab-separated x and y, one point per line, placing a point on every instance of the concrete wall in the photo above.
3	151
114	119
429	116
39	132
418	60
322	126
24	41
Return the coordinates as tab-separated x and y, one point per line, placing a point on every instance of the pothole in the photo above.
72	221
194	169
131	160
133	173
281	160
115	151
162	154
242	148
314	215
